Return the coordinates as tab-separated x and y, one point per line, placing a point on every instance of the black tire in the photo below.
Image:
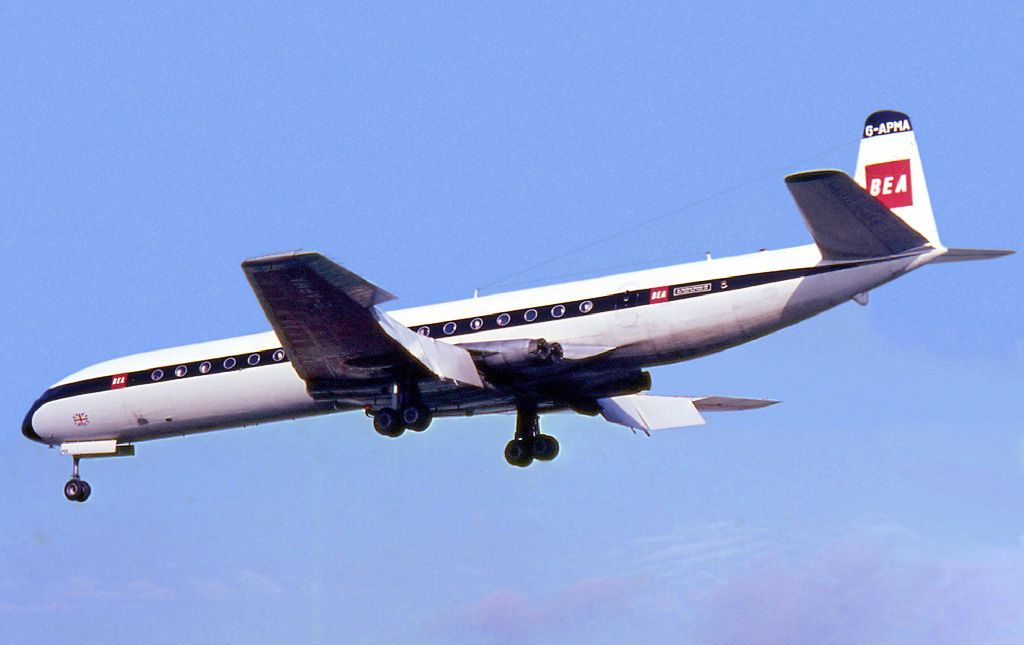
517	453
417	417
387	423
72	490
544	447
86	491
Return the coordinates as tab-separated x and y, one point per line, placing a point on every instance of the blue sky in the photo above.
438	148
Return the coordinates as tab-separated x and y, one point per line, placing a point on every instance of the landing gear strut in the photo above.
405	412
529	443
77	489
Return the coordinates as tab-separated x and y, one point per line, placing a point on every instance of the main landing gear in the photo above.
406	411
529	443
77	489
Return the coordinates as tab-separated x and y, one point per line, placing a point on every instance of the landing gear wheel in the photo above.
77	490
72	489
416	417
517	453
544	447
387	423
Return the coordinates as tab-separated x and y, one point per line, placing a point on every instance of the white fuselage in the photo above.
716	304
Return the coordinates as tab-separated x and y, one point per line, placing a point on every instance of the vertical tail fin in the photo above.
889	168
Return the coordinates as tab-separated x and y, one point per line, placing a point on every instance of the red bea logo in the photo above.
659	294
889	183
118	381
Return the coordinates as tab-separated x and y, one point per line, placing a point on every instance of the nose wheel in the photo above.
529	444
77	489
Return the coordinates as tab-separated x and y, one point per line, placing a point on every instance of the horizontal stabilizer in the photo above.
966	255
847	222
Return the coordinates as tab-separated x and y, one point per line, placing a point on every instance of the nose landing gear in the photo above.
77	489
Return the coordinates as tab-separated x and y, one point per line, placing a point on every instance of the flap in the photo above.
444	360
645	412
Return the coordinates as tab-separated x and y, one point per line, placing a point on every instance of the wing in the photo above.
645	412
327	320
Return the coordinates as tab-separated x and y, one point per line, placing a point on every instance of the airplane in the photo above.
582	346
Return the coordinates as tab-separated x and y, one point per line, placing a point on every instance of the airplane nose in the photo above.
26	425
